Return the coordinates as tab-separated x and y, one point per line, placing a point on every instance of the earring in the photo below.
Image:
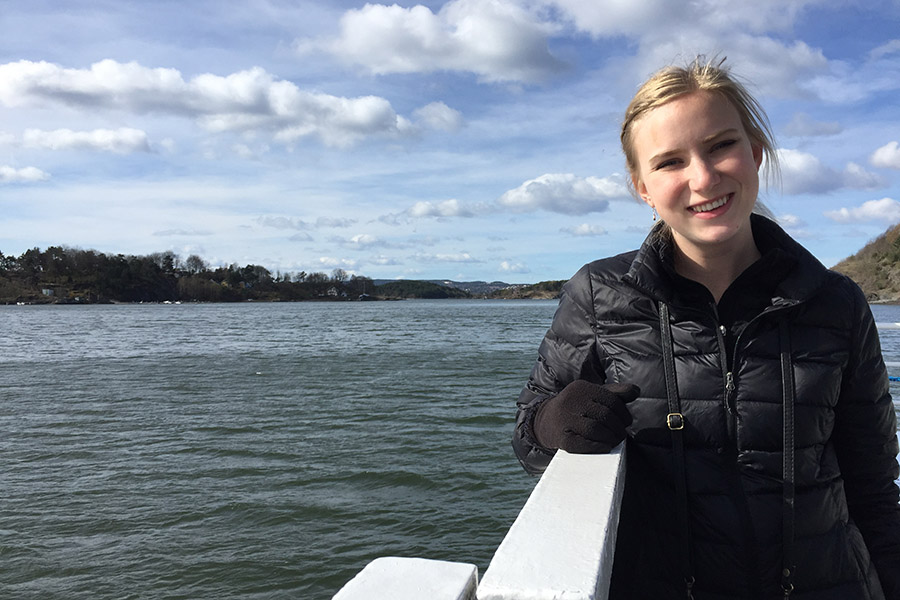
655	214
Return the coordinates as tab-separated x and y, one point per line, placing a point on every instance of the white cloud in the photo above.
584	230
328	262
602	19
251	100
181	233
334	222
776	68
23	175
438	115
382	260
507	40
439	210
498	40
106	84
513	267
446	208
364	240
888	156
242	150
865	78
457	257
666	32
564	193
855	177
802	125
804	173
886	210
887	49
791	221
283	223
120	141
245	151
301	225
636	18
460	257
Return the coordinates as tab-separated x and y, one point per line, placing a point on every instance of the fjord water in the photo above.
254	450
258	450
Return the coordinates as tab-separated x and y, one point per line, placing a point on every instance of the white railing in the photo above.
560	547
562	543
394	578
551	552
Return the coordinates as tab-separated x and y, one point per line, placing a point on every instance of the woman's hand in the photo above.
585	418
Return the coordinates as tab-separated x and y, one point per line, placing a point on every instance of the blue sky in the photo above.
468	139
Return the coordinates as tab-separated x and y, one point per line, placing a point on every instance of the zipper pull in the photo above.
729	391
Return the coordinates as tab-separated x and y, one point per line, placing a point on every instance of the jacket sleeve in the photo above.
866	442
565	354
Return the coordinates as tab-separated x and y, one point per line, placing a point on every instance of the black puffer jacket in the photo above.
730	384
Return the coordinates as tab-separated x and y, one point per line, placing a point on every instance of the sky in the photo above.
465	140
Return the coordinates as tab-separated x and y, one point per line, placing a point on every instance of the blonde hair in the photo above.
701	75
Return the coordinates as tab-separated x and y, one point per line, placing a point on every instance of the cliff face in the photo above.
876	268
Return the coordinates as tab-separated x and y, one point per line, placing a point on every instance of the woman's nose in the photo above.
704	174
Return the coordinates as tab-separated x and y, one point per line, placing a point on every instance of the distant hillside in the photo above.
876	268
63	275
545	290
475	288
408	288
445	288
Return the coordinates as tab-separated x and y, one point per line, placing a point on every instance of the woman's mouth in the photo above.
702	208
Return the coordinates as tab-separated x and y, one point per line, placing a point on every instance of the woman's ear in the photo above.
757	154
641	189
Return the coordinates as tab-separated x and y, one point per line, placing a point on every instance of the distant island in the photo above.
62	275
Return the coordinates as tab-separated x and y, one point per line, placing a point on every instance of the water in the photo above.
258	450
254	450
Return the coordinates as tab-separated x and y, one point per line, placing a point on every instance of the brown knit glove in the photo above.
585	418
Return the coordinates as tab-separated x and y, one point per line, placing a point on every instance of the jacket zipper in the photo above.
777	305
729	394
730	400
727	375
728	378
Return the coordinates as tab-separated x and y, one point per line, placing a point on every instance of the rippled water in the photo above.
258	450
254	450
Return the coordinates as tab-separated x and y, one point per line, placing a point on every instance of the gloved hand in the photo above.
585	418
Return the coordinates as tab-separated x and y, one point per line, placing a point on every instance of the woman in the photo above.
747	377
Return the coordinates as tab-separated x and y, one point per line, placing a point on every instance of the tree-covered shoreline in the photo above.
62	275
876	267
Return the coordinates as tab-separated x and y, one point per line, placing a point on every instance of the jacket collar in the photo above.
651	270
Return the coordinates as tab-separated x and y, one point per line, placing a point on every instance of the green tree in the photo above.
31	267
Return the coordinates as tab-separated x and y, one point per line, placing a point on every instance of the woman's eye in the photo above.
664	164
723	144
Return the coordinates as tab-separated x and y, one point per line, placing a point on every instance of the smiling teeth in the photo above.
711	205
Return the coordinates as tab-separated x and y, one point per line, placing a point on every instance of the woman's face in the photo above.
698	168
